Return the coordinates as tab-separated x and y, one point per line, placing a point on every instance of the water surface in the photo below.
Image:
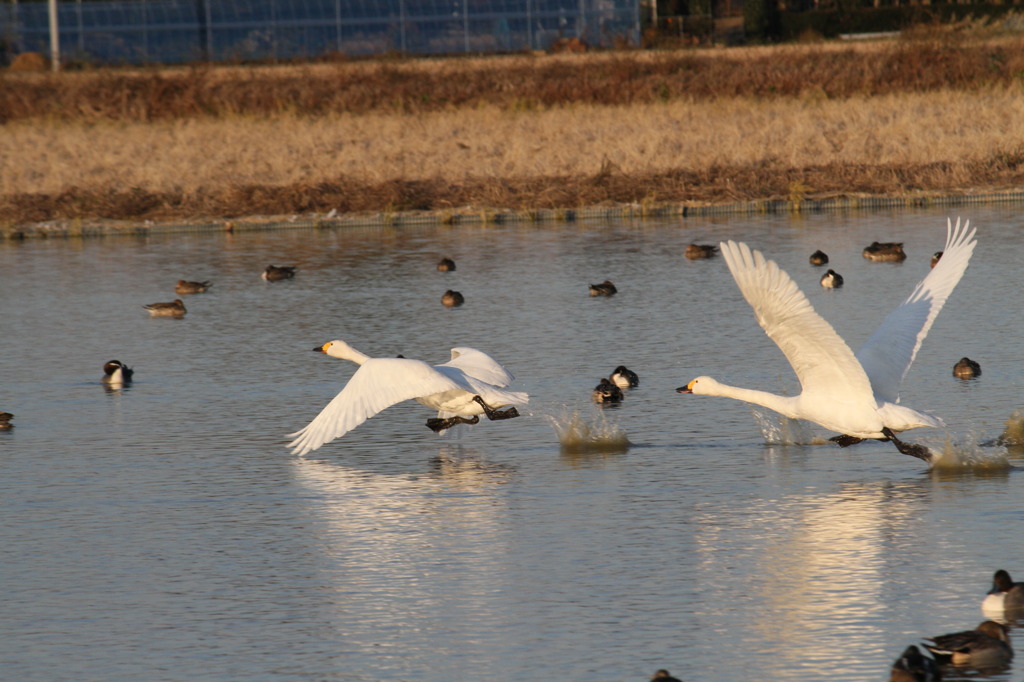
163	531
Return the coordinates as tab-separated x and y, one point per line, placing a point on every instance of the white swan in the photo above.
856	395
470	384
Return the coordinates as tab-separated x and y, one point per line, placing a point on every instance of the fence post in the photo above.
209	30
201	41
529	25
273	31
81	27
337	21
401	25
145	34
54	36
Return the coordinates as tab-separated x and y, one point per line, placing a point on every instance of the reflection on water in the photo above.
164	530
820	562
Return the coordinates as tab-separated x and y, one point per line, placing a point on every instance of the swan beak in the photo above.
688	388
320	349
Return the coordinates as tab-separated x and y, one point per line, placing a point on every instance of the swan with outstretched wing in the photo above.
470	384
855	395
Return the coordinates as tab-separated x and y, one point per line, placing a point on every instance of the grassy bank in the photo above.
519	132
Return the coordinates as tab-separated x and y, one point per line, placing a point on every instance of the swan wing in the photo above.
495	396
888	354
378	384
821	359
479	365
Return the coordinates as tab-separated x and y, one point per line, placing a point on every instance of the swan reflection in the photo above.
406	517
824	560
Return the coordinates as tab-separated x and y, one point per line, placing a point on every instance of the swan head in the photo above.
700	386
340	349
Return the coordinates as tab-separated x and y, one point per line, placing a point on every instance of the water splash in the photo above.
968	454
1013	434
588	434
964	454
971	453
779	430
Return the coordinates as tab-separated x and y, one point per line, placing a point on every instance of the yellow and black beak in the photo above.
688	388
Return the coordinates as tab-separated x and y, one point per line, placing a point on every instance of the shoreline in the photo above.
77	228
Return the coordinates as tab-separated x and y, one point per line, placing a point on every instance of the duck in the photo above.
452	299
606	392
446	265
116	373
275	273
935	258
965	368
173	309
885	251
664	676
605	288
831	280
819	258
913	666
854	395
698	251
1005	595
470	384
5	421
987	645
184	287
624	378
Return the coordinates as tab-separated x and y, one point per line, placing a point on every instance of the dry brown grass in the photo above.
190	155
514	132
515	83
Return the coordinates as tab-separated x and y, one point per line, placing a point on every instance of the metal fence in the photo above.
174	31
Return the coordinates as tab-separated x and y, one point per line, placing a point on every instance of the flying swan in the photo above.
855	395
470	384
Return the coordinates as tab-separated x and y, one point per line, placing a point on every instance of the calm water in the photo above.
163	532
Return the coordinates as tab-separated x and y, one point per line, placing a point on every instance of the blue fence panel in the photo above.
175	31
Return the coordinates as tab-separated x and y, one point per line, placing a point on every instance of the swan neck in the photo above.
356	357
779	403
343	351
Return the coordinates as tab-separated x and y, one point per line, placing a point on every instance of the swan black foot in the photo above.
919	451
845	441
493	414
437	425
